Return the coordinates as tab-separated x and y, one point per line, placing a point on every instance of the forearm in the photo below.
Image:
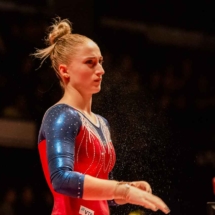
100	189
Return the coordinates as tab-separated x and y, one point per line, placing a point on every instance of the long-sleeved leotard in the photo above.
70	146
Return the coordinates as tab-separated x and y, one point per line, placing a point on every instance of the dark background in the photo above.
158	95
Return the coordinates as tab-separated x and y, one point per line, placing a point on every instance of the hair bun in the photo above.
58	30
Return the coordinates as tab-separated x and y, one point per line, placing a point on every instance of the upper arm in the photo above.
60	128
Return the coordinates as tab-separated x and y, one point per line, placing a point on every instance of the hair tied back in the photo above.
58	29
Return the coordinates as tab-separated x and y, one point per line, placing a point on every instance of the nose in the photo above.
99	70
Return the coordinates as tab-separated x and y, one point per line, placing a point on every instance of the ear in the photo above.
63	71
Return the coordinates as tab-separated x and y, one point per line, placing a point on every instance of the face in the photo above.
85	70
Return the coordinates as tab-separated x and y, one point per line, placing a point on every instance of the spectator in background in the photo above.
17	109
7	207
26	204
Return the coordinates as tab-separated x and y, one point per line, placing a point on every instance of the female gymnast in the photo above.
74	143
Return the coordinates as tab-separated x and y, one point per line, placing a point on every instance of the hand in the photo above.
146	199
140	197
143	185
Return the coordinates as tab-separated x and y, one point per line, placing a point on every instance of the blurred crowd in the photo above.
176	80
24	202
141	89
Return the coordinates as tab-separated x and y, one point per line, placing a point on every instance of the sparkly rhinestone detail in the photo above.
96	138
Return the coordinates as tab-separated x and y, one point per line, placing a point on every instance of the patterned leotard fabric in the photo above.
70	146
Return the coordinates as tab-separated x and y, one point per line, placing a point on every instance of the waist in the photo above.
65	205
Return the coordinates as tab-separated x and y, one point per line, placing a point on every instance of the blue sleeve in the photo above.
60	127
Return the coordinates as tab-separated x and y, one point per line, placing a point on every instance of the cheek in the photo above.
80	74
85	75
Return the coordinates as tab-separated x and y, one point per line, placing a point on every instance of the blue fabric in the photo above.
60	126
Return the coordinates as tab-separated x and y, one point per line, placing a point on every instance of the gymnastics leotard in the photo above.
70	146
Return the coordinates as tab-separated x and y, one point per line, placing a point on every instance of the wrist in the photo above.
121	190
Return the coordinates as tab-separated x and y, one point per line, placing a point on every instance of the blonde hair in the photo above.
61	45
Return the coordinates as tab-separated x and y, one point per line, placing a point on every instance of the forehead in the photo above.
88	49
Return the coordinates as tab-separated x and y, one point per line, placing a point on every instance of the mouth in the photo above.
98	80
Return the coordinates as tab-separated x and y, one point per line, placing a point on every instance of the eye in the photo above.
101	61
89	62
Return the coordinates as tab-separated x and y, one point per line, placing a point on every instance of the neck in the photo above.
77	100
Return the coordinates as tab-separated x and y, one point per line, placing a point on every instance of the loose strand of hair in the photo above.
43	54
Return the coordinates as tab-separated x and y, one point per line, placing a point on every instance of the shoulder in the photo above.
60	120
60	113
103	120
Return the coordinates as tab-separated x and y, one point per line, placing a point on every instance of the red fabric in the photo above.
92	158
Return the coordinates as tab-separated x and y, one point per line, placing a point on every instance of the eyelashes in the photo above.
92	62
101	62
89	62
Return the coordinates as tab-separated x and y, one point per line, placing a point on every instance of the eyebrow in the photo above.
101	57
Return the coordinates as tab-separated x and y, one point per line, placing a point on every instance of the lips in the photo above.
98	80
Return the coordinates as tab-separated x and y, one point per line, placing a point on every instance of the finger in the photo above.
148	205
145	186
148	188
157	202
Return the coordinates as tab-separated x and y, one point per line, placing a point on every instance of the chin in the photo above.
97	90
